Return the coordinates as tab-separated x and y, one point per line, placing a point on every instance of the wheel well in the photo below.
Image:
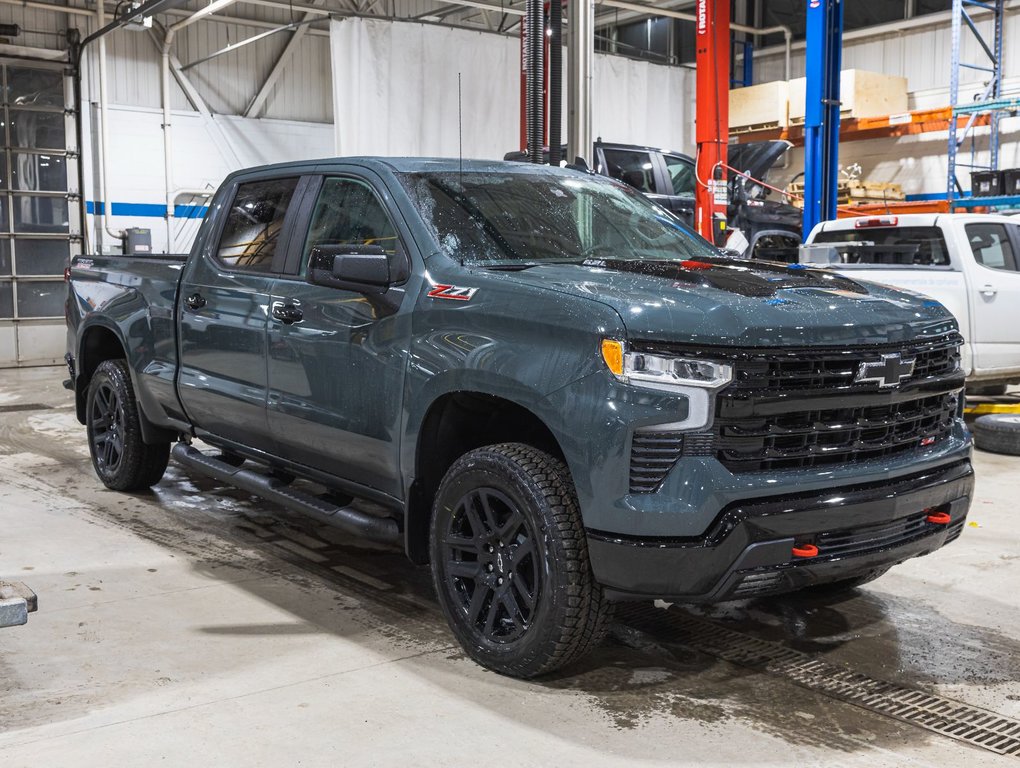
99	344
455	424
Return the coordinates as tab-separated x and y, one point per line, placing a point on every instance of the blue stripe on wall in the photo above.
151	210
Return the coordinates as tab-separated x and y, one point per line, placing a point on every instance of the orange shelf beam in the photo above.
863	128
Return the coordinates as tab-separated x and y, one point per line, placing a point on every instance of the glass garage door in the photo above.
39	226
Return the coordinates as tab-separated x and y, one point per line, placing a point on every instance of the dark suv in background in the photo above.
669	179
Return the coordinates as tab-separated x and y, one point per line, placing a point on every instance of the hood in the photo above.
730	302
756	158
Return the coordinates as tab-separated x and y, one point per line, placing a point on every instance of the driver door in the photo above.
336	356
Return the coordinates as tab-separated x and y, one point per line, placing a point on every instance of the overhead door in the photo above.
39	223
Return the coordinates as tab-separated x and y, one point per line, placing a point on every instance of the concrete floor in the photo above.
197	626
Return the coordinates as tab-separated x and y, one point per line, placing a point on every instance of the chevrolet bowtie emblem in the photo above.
887	372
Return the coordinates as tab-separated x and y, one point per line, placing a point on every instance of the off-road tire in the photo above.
998	433
121	459
570	615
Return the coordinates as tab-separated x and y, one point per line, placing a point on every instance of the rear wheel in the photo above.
120	457
510	562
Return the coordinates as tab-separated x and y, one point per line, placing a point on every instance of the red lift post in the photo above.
712	119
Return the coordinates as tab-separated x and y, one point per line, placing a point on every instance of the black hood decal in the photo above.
757	279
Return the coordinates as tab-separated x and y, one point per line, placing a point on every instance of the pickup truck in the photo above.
550	389
970	263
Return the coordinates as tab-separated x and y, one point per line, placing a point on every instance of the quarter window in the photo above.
252	230
348	213
991	246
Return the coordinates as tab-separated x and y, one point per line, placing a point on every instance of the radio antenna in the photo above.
460	132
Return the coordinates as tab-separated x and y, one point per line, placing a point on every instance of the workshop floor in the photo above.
198	626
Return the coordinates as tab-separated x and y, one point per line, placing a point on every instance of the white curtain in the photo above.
395	93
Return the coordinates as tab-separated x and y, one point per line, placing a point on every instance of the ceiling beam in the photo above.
279	66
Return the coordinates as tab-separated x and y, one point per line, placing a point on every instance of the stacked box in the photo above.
862	94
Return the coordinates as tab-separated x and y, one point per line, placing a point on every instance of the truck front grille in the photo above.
800	408
810	438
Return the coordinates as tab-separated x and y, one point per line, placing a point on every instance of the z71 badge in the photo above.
452	292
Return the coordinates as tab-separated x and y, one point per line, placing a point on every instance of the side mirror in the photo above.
361	268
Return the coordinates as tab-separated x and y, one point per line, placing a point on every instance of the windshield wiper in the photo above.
522	265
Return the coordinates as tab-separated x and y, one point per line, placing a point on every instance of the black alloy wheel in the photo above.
491	562
120	456
106	417
510	564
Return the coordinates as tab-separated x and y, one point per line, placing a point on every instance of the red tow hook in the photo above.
805	550
939	518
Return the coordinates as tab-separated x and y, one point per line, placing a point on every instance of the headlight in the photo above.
660	372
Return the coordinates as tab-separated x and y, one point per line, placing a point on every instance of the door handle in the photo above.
195	301
287	313
988	290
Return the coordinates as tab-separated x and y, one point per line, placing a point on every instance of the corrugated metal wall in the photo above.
228	82
921	55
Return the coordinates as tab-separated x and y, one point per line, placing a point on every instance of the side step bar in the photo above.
347	519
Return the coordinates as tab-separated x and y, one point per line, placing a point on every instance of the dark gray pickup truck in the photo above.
561	395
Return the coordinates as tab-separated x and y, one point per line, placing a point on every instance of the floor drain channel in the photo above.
955	719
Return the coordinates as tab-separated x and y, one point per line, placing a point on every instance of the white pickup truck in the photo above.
968	262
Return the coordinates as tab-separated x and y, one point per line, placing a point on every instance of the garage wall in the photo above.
395	91
918	163
204	153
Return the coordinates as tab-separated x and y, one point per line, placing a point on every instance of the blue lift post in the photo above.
821	119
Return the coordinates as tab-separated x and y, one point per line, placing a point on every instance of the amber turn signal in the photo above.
612	353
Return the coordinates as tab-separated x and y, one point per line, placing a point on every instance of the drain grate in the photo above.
955	719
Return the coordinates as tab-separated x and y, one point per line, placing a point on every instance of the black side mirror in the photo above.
361	268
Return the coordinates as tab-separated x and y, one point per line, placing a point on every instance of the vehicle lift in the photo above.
821	121
712	121
821	128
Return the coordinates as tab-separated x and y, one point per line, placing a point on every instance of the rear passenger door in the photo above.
337	357
995	292
223	308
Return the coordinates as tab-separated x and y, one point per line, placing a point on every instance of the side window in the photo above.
348	213
634	168
681	174
991	246
254	222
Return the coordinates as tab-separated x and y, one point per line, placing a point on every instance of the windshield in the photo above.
512	219
910	245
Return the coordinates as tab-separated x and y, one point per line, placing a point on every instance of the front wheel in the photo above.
123	461
510	562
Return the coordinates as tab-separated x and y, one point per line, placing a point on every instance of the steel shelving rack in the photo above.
987	109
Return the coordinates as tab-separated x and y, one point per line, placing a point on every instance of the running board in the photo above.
348	519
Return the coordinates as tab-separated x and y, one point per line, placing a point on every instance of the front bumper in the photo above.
748	549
